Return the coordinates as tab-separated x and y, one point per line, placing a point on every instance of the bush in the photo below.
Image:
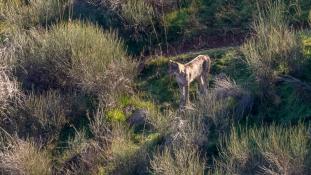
132	12
267	150
9	90
32	13
274	49
81	156
48	110
75	55
123	155
226	102
23	157
101	129
181	160
137	12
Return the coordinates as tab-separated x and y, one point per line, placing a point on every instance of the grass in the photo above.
48	110
9	90
23	158
35	13
72	55
275	49
154	79
292	107
77	90
137	12
181	160
267	149
306	37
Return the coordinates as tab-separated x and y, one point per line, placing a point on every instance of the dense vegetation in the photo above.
84	87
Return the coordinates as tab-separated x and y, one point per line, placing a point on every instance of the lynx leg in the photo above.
187	95
182	96
201	85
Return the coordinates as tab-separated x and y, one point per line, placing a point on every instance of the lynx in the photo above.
197	69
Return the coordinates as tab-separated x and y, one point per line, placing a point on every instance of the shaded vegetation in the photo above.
84	87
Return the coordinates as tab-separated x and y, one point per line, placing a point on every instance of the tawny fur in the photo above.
197	69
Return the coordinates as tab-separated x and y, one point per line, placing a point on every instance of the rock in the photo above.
138	118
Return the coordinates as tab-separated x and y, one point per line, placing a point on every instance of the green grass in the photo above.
163	89
136	102
291	106
95	93
306	37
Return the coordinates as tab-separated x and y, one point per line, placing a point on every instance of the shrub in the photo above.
137	12
24	157
81	156
75	55
267	150
224	103
161	121
32	13
101	129
48	110
40	117
275	49
133	12
181	160
9	91
177	21
125	156
183	22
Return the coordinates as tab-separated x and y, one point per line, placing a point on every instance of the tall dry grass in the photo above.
31	13
134	13
75	55
226	102
180	159
24	157
119	154
9	90
137	12
275	48
48	110
265	150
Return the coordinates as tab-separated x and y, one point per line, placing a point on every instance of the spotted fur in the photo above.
197	69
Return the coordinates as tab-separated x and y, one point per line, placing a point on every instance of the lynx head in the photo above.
173	67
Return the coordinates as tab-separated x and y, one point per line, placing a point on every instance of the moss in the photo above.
101	171
116	115
154	137
136	102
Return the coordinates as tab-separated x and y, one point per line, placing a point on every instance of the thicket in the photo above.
265	150
70	98
73	55
275	48
159	24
